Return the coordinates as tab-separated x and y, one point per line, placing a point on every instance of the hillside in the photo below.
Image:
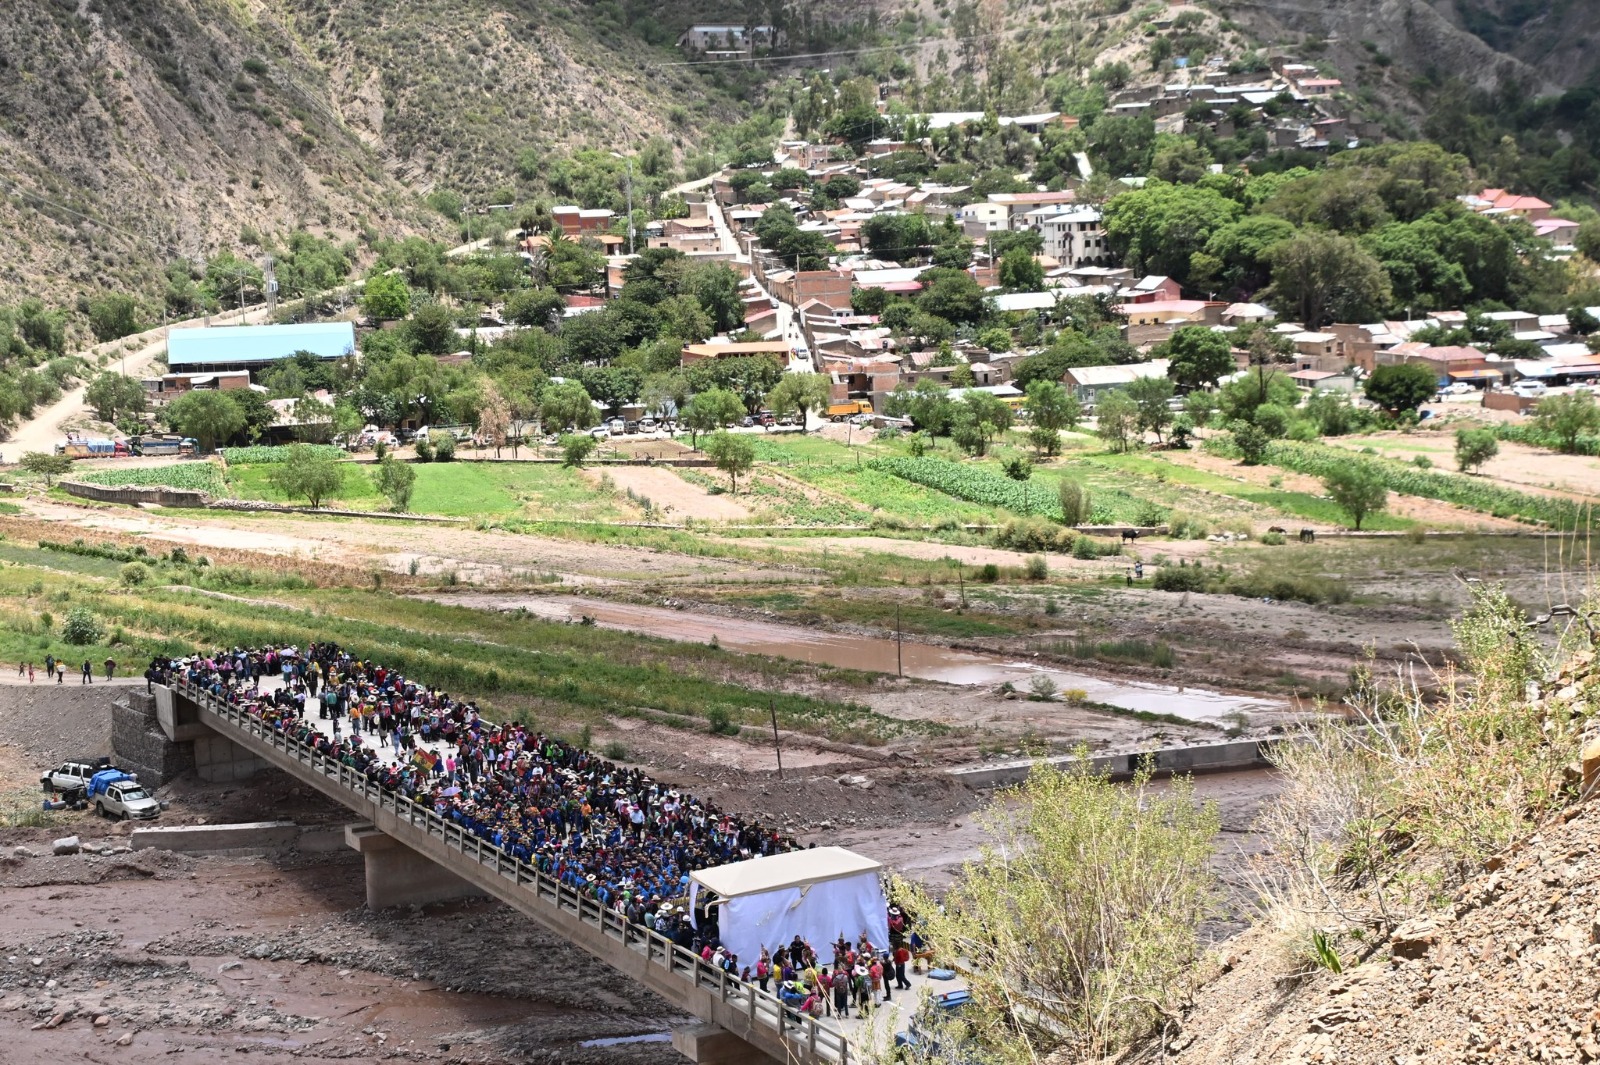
131	134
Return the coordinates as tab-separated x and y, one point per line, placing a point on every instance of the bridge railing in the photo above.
761	1007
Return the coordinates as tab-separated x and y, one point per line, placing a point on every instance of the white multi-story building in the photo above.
1073	236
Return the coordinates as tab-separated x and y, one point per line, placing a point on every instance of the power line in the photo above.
63	207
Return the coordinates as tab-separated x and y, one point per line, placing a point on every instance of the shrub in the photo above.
445	449
616	751
1273	539
1180	579
1184	526
722	723
81	627
1037	568
989	573
134	574
1042	687
424	450
1033	534
1087	547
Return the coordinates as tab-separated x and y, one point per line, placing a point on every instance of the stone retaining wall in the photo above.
1165	761
159	495
139	744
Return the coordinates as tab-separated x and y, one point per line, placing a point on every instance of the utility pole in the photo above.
776	750
270	283
899	644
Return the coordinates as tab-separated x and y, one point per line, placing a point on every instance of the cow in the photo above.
1308	536
1279	529
1129	534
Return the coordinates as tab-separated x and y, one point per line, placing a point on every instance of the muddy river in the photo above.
924	661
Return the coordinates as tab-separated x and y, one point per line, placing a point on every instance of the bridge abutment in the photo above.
710	1044
398	875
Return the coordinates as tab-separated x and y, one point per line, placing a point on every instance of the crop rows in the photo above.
974	484
1471	492
265	453
196	476
1532	435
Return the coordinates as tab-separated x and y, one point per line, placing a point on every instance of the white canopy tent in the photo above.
819	894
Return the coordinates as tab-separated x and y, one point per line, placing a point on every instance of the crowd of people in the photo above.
604	830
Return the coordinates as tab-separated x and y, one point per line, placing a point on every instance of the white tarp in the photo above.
787	869
819	913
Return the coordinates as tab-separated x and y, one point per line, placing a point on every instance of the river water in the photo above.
871	654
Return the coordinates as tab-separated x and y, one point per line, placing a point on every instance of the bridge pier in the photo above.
710	1044
398	875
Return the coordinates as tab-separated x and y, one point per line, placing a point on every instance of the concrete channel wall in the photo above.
751	1018
158	495
1165	761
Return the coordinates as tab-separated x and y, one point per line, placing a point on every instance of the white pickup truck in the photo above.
126	800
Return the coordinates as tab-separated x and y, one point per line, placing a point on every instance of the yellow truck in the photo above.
838	412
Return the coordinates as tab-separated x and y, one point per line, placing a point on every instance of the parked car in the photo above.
119	796
631	428
617	426
1529	389
599	432
1458	388
70	775
647	425
921	1035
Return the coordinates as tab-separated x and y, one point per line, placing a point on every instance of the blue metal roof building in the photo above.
250	347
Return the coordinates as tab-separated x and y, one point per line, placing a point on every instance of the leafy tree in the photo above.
1581	322
1567	417
1235	255
566	405
1333	414
81	628
309	474
709	411
432	329
1159	228
897	236
575	448
1076	506
1358	490
976	420
1240	397
386	297
535	307
395	480
45	465
1180	162
1474	447
1587	240
952	295
1324	277
314	418
1020	469
1151	395
733	455
112	396
802	392
1251	440
1343	201
1116	881
1020	271
208	415
1121	145
1200	406
113	316
1052	409
1401	388
1117	420
716	286
1199	356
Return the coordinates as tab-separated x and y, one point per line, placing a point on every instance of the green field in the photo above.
461	489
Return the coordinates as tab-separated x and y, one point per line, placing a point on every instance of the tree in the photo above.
732	454
1474	447
309	474
432	329
566	405
1200	406
952	295
575	448
1152	395
386	297
977	419
112	395
1582	322
1052	409
395	480
1114	877
1401	388
1117	420
208	415
494	417
45	465
1076	506
1020	469
1198	355
1020	271
710	411
1320	277
1358	490
802	392
113	317
314	420
1157	229
535	307
1567	417
1251	440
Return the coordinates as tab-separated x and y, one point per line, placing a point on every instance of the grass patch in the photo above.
1137	652
458	489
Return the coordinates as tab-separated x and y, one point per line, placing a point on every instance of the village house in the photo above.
1088	383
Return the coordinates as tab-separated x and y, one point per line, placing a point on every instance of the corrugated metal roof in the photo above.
259	343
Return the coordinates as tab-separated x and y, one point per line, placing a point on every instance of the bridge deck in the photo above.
675	973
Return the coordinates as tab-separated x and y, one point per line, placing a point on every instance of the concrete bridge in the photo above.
413	855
